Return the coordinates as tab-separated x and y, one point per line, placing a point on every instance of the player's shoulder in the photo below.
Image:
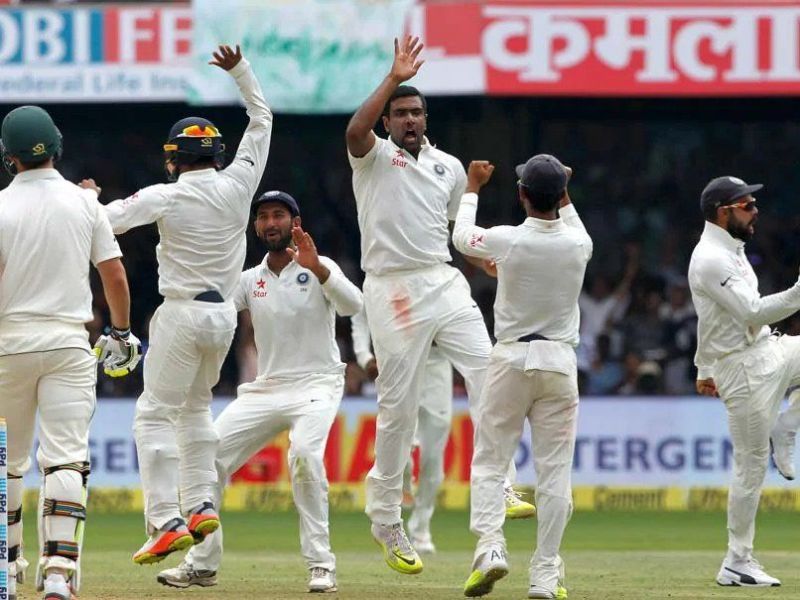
251	273
445	157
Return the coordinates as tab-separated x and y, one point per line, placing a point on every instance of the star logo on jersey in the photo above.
476	239
399	159
261	283
261	289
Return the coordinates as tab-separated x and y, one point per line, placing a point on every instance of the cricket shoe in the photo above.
491	566
516	507
56	587
203	521
170	538
551	587
185	575
12	582
322	581
781	441
398	552
745	573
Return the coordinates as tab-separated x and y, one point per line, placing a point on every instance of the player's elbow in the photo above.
352	307
112	274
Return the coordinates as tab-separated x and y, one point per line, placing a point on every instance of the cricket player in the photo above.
201	217
740	360
293	297
433	429
406	193
50	231
533	368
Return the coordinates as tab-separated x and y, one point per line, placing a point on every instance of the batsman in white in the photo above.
406	193
293	297
50	232
202	217
740	360
533	370
433	429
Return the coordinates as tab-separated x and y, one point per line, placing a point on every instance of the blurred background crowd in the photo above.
639	168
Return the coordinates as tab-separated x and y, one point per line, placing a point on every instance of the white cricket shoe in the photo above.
782	443
185	575
322	580
398	552
12	582
423	544
745	573
56	587
489	567
550	587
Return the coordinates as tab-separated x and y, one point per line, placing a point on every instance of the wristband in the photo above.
118	334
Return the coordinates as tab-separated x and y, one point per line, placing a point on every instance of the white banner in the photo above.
666	441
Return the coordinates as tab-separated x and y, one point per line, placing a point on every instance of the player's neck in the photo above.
277	260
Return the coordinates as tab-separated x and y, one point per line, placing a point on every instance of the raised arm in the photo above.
359	136
468	238
145	206
251	157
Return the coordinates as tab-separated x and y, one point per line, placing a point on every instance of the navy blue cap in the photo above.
725	190
276	196
543	174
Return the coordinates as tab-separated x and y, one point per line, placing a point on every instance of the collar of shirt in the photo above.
426	146
198	174
717	236
543	224
292	265
36	175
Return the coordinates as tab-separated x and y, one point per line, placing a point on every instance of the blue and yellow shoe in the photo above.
516	507
491	567
398	552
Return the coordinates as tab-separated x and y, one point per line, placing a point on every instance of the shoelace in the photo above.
400	540
513	494
318	572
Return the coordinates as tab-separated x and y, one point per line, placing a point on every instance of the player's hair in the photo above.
404	91
32	164
710	212
543	202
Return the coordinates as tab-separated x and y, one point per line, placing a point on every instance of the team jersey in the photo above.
731	314
294	317
540	269
50	231
404	205
203	216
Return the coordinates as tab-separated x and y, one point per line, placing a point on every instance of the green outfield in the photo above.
611	555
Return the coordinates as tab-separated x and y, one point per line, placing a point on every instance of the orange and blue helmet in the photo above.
192	139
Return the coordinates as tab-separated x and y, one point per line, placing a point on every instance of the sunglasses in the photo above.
195	131
745	205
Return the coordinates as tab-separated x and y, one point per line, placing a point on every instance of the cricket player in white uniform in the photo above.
50	232
201	218
741	361
406	193
433	430
293	297
533	368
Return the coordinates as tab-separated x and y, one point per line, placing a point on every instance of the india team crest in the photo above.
439	168
302	278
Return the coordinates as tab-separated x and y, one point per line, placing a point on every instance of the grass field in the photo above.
613	555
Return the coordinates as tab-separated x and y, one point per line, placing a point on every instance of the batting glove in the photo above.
119	351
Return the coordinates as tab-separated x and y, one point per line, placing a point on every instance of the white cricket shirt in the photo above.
404	205
50	230
540	269
294	318
202	217
731	314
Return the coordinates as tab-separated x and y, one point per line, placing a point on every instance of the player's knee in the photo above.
306	462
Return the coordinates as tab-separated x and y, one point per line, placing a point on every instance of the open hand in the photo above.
226	58
305	251
405	64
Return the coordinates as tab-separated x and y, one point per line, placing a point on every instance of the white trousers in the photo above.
407	312
306	407
549	401
752	383
433	430
175	437
60	385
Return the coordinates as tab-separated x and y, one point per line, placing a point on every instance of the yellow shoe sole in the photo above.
561	593
399	564
204	529
480	584
149	558
521	512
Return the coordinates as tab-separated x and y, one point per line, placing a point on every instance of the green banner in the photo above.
311	56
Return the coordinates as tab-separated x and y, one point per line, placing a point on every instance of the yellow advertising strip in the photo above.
347	497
